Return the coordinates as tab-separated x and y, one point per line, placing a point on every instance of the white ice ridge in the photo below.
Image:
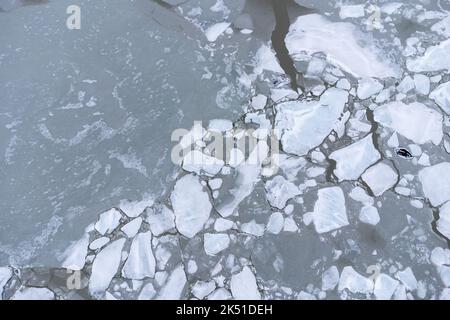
303	125
414	121
353	160
105	267
190	204
340	41
436	183
141	262
436	58
330	211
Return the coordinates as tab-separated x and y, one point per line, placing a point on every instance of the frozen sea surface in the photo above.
345	195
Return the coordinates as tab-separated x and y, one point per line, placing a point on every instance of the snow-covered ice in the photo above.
243	285
380	178
141	262
330	211
435	182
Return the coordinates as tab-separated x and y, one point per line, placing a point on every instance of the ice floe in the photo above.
276	223
5	275
353	160
443	223
161	219
368	87
414	121
174	286
436	58
408	278
243	285
303	125
354	282
214	31
215	242
141	262
441	95
380	178
436	183
279	191
75	255
330	211
108	221
32	293
330	278
385	287
190	204
369	215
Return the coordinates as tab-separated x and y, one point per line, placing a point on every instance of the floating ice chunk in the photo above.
385	287
141	262
343	84
5	275
360	195
259	102
443	223
445	294
147	292
132	227
97	244
253	228
190	204
174	286
415	121
222	224
436	58
440	256
203	288
198	162
108	221
441	95
279	191
340	41
243	285
105	267
220	125
369	215
281	94
31	293
353	160
266	60
276	223
407	278
161	219
134	208
220	294
75	255
368	87
329	210
444	273
380	178
303	125
354	282
214	31
442	27
352	11
330	278
406	85
436	183
290	225
215	243
422	84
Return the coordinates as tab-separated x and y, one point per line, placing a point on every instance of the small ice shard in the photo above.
276	223
75	255
353	160
415	121
243	285
141	262
380	178
220	125
132	227
354	282
108	221
200	163
443	223
407	278
32	293
279	191
259	102
161	219
215	243
303	125
340	42
385	287
351	11
5	275
190	204
330	278
203	288
422	84
436	183
330	211
369	215
368	87
214	31
253	228
441	95
105	267
134	208
174	286
436	58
